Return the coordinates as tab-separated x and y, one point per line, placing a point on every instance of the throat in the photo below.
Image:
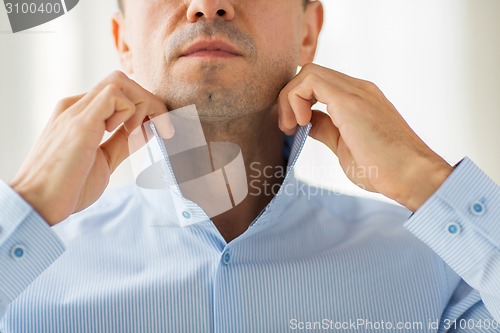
236	221
261	143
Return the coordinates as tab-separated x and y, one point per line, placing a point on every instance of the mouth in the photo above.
210	49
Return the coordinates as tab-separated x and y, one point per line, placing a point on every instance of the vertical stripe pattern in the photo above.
312	261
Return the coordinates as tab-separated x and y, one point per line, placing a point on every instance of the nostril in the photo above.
199	14
221	12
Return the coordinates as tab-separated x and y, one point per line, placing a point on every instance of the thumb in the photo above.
324	130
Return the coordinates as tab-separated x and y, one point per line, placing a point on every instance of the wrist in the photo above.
425	179
33	197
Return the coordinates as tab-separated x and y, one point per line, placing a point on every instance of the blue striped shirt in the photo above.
312	261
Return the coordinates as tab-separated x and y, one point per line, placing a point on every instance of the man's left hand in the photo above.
366	132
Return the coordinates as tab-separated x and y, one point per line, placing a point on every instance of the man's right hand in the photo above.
69	168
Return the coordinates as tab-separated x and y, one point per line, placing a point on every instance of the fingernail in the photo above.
164	126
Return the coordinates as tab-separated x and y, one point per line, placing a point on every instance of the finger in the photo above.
139	137
300	100
117	88
164	126
116	148
122	144
287	121
66	103
324	130
119	79
145	111
335	97
314	84
111	107
300	97
138	118
349	83
300	94
147	104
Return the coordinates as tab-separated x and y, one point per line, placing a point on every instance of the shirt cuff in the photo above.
27	245
460	221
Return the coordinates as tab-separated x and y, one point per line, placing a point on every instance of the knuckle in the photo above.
358	103
308	67
63	104
356	99
116	76
83	121
312	78
370	86
352	102
111	89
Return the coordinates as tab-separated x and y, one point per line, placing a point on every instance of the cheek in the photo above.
147	45
278	36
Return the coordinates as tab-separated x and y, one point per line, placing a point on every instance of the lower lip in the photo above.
211	54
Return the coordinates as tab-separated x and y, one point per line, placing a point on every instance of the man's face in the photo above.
229	57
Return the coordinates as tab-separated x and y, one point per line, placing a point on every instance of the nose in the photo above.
210	9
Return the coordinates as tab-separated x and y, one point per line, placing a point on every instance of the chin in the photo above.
213	101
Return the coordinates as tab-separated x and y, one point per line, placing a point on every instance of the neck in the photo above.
261	144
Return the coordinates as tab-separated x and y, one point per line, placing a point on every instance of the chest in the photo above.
152	288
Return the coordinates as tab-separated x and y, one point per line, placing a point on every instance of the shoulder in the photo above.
106	212
347	207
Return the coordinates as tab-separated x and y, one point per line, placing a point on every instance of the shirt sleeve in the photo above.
27	245
461	223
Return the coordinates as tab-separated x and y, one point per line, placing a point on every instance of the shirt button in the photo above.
226	258
17	251
186	214
453	228
477	208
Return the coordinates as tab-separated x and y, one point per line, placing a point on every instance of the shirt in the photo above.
313	260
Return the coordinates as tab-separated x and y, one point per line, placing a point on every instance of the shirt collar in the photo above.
158	189
294	144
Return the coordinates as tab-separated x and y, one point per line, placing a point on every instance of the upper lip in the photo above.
210	45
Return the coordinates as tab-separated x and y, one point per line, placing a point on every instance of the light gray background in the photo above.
438	61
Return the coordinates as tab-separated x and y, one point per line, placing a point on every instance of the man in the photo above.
272	263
